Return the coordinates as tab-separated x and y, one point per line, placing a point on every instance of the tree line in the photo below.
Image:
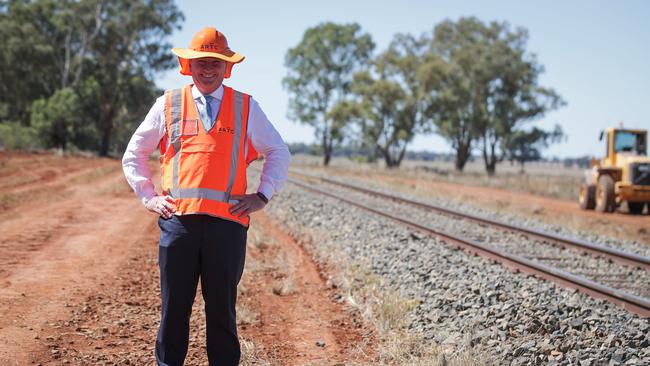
79	73
471	82
359	153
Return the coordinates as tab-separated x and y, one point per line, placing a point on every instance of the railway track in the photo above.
601	272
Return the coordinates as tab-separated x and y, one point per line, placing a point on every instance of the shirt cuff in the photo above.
266	189
146	195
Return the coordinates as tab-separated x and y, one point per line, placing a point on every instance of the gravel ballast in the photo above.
628	246
599	269
467	301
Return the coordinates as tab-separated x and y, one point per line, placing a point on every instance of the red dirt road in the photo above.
62	234
79	277
298	307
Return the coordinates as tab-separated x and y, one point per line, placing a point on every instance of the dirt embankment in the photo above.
79	277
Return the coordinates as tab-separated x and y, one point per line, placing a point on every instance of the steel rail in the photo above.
628	301
616	254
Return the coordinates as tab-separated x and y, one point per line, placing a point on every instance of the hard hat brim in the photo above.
189	54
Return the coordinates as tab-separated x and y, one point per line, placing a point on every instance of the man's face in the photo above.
207	73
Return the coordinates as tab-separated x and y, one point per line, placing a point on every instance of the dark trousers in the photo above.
213	249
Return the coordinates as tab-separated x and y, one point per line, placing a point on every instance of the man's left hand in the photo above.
248	203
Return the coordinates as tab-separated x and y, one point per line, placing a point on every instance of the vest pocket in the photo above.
204	165
190	127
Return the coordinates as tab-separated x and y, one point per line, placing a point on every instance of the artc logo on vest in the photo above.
226	129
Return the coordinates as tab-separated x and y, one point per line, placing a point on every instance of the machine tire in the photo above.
587	196
635	208
605	198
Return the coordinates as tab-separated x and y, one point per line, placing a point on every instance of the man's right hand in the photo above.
162	205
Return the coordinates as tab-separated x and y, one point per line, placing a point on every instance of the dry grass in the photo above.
253	355
543	179
94	174
52	193
257	239
247	315
540	184
284	286
389	312
119	188
384	309
283	283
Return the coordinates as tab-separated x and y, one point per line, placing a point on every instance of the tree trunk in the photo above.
396	161
327	153
105	143
490	162
462	155
399	159
490	168
107	129
326	158
59	134
327	148
489	159
388	159
390	164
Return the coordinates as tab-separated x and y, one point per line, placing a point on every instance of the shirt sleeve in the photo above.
268	142
143	143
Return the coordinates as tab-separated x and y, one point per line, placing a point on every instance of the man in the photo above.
208	133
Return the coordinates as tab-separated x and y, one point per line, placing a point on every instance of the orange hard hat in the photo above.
208	42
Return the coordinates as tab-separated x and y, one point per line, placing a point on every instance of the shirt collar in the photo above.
217	94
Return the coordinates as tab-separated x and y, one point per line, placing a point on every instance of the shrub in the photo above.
13	135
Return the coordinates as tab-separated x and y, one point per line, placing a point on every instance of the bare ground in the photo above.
79	278
79	274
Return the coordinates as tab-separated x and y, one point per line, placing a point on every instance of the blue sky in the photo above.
596	53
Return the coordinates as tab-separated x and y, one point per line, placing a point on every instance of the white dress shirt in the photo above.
265	139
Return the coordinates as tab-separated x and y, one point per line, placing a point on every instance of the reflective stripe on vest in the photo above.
194	198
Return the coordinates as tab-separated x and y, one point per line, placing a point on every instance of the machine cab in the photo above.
623	141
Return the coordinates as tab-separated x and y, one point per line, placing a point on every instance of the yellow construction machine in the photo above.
622	175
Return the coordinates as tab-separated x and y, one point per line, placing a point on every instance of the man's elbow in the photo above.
286	151
127	159
279	152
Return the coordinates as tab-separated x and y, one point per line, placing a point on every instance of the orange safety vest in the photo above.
202	169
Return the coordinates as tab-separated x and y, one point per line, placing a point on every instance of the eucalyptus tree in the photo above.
29	42
449	104
388	99
47	46
321	68
106	52
387	116
483	86
514	94
130	49
524	146
454	75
